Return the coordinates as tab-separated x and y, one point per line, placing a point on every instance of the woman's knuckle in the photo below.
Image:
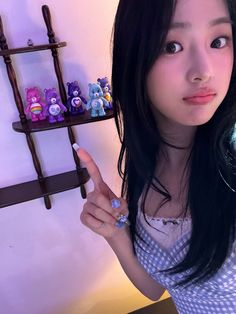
82	218
90	196
112	220
86	206
97	212
100	198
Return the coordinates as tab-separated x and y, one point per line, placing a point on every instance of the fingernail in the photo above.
75	146
115	203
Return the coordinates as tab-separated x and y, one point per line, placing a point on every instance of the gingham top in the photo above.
216	296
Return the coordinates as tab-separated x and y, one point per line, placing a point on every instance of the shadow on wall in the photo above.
27	27
124	303
24	25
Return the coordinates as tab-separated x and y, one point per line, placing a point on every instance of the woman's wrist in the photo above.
120	241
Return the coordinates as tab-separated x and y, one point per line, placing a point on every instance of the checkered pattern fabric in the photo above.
216	296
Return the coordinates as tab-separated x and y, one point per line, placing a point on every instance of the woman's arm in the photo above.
123	249
100	217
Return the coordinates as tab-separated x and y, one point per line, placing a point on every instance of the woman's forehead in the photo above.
195	9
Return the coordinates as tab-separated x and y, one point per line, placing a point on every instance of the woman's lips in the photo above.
200	98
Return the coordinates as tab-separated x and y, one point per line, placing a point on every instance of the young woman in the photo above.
174	92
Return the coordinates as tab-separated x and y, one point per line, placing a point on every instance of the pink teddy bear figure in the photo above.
35	107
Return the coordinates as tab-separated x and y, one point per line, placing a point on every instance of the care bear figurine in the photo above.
96	101
55	107
76	100
106	88
36	108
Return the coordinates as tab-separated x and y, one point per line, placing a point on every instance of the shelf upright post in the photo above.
52	39
12	75
20	107
76	159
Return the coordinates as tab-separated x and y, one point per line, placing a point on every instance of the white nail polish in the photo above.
75	146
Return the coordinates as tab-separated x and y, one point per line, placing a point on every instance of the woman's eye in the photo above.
172	48
219	42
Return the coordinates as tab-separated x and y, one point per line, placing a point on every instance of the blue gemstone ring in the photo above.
122	220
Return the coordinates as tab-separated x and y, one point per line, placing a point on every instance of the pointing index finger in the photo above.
91	166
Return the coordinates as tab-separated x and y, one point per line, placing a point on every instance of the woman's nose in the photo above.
200	69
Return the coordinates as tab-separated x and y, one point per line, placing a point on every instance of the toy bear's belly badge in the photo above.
76	102
97	104
54	110
36	108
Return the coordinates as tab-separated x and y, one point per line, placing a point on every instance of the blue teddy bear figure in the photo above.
75	100
96	101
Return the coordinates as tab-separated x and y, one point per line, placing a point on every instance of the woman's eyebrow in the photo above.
221	20
186	25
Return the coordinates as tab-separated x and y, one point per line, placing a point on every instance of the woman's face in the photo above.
190	79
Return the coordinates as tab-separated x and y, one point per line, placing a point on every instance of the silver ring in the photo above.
121	221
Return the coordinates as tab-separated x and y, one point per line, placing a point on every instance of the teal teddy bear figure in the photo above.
96	101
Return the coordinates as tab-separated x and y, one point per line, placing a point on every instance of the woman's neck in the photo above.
177	143
172	157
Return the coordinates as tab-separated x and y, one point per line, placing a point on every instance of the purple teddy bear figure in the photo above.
35	107
106	88
75	100
55	106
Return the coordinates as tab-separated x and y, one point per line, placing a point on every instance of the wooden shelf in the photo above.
31	190
43	187
162	307
30	127
7	52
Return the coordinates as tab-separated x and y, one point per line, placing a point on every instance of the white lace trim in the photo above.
166	231
166	220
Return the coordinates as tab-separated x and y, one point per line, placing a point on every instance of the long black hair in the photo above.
140	31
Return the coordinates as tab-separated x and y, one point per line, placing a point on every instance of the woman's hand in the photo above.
100	217
98	213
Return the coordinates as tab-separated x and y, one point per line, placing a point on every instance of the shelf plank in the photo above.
30	127
7	52
163	307
31	190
